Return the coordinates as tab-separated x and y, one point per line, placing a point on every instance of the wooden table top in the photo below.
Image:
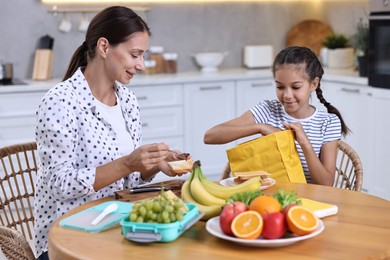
360	230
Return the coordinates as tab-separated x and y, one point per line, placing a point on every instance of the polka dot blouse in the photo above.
73	139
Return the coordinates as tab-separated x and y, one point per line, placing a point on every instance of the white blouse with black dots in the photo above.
73	139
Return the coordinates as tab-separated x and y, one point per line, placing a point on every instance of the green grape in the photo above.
142	210
169	208
149	205
179	216
140	219
157	207
172	216
133	217
159	218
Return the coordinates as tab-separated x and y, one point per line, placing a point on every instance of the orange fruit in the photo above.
265	205
301	220
247	225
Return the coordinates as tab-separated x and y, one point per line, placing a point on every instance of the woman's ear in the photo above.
102	46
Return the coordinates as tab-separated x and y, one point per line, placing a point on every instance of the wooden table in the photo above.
360	230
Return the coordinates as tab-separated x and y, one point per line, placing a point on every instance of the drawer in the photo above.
17	129
159	95
18	102
162	122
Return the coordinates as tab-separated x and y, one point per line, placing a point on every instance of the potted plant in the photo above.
359	41
340	54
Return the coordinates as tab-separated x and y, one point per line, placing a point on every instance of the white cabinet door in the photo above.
353	103
251	92
206	105
379	175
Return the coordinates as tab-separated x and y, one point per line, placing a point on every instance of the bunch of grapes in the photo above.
159	209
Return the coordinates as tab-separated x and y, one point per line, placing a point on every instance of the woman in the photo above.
88	126
297	73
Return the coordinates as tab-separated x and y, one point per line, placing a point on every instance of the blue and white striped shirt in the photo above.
320	128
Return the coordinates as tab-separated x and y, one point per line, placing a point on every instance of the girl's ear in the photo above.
314	84
102	46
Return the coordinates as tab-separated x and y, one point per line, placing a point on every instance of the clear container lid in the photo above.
170	56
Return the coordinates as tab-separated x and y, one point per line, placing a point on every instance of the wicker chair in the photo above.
349	169
18	168
14	245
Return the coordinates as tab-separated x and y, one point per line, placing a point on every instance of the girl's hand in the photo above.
300	134
267	129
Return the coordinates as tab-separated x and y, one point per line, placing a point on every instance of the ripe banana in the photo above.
199	193
210	211
224	192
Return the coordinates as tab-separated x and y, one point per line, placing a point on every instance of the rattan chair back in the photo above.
349	169
14	245
18	170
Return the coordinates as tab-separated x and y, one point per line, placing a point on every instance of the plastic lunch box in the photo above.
155	232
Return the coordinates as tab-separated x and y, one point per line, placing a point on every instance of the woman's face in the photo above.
127	58
293	89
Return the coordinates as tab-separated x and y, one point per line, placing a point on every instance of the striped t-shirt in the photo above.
320	128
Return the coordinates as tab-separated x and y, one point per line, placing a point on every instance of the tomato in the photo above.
274	226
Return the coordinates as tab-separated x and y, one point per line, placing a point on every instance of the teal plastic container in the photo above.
155	232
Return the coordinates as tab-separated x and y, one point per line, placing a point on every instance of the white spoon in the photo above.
110	208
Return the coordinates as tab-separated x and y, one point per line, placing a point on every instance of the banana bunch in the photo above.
209	196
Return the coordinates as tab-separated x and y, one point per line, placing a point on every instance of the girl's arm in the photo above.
242	126
322	170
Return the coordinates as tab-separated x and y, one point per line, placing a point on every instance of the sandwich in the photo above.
243	176
181	166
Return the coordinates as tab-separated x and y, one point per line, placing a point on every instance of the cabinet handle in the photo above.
255	85
210	88
350	90
145	124
142	98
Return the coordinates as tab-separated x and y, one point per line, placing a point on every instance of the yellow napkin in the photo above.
320	209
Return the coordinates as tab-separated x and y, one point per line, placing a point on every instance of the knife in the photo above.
146	189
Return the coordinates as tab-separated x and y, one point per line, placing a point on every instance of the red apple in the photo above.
229	212
274	225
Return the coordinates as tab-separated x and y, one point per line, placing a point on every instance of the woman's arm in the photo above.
242	126
322	170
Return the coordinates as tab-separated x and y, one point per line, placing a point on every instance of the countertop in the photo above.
343	76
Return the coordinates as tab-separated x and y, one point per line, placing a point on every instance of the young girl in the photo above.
297	73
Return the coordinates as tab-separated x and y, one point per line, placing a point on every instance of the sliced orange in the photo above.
265	205
247	225
301	220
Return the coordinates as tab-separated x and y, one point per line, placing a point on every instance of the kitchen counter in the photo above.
342	76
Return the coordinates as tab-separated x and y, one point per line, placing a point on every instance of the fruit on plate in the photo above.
229	212
275	225
265	205
247	225
301	220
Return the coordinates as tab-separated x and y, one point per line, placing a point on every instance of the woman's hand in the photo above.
173	156
147	157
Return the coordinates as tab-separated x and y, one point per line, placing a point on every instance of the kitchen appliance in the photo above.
379	44
6	72
258	56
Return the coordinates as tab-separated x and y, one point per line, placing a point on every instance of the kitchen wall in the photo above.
181	28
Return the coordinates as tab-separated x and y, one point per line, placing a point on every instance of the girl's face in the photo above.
293	89
127	58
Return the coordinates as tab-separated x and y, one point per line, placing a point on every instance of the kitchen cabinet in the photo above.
207	104
378	175
352	101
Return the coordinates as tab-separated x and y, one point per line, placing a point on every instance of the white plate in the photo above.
230	182
212	226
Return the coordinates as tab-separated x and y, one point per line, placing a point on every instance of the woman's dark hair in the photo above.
306	57
116	24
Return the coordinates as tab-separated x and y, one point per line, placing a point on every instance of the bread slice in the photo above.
243	176
181	166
